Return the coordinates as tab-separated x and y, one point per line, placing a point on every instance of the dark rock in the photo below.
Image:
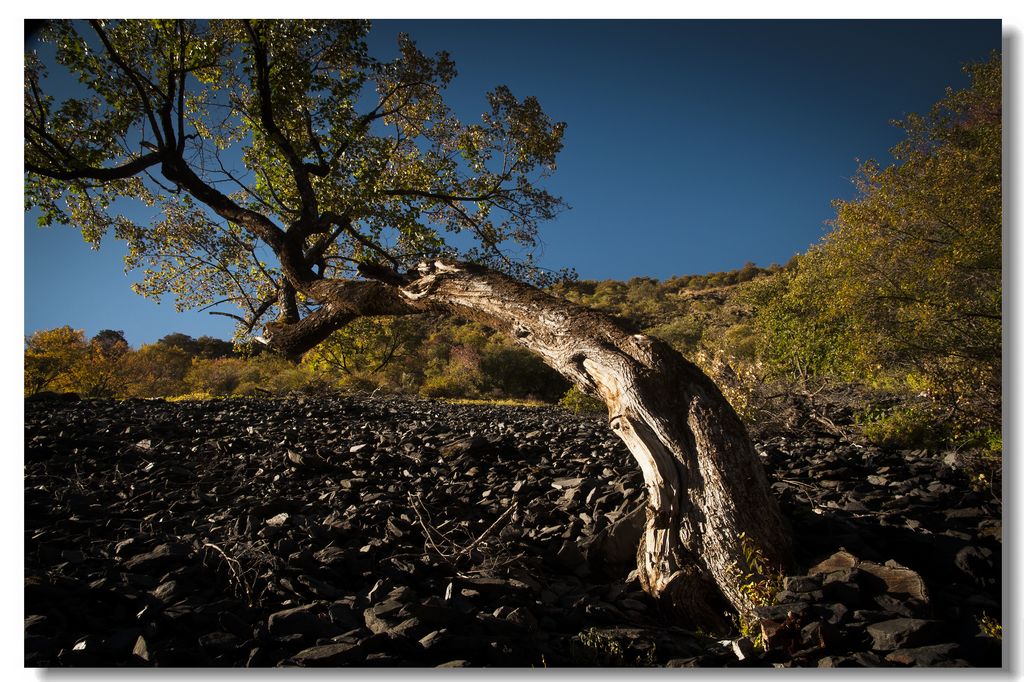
438	615
171	591
867	659
839	560
344	615
926	656
834	614
140	650
892	577
569	556
52	396
160	558
899	580
781	624
521	616
441	646
329	655
220	641
801	583
464	446
848	593
900	633
785	596
301	620
896	606
411	628
382	617
978	564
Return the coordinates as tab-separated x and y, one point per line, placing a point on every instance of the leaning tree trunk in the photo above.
709	501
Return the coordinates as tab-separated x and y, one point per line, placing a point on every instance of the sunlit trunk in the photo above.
705	484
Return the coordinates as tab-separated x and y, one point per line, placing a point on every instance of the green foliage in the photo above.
990	627
271	374
51	359
982	456
514	371
905	292
365	346
61	360
911	426
219	377
759	581
578	402
683	333
740	341
693	313
274	153
156	370
455	360
467	360
203	347
601	649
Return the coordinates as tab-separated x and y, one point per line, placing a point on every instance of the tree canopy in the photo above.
906	289
278	160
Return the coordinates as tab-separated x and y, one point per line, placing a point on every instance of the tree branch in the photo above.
133	167
302	181
133	76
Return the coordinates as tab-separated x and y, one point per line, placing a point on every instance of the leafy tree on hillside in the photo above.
906	290
203	347
156	370
51	357
99	373
111	341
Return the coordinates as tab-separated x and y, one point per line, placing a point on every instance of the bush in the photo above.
449	385
902	427
578	402
216	377
513	372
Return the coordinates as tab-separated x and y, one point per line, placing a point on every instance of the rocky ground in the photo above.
318	531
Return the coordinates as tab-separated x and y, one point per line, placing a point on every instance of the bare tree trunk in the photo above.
704	481
708	499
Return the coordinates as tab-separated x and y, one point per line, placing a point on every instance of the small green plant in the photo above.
759	583
901	427
990	627
597	648
578	402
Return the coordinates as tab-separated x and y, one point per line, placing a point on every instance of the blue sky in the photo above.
692	146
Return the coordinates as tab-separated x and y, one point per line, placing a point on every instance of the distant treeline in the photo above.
417	355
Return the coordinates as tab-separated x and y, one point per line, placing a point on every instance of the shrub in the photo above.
514	372
578	402
902	427
449	385
217	377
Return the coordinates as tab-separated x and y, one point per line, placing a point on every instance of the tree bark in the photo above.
708	498
704	482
